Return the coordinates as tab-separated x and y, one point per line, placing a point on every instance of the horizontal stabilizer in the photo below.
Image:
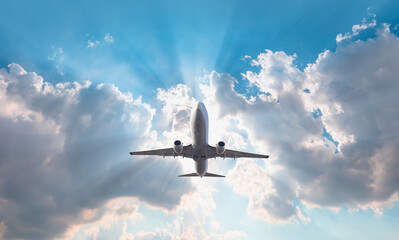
196	175
212	175
189	175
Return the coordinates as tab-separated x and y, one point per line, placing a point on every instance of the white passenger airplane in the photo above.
199	151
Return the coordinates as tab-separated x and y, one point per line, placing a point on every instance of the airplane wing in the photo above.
233	154
167	152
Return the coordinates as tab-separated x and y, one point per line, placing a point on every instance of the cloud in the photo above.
2	229
265	203
229	235
356	29
56	52
279	70
93	43
118	211
190	222
64	149
158	234
57	58
355	91
109	38
162	233
176	111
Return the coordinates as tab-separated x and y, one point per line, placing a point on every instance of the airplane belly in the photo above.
199	130
201	166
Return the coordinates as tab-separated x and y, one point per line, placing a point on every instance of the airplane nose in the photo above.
200	106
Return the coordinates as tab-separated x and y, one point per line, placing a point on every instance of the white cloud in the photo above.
228	235
361	80
93	43
57	58
265	203
195	211
73	140
195	234
56	52
175	115
159	234
95	221
355	89
77	137
356	29
109	38
279	71
302	217
77	129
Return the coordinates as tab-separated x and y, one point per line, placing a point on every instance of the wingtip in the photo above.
131	153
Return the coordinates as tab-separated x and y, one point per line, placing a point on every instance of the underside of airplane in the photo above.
200	151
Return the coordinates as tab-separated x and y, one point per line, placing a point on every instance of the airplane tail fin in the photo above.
196	175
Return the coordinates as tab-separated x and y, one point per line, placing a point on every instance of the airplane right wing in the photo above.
233	154
236	154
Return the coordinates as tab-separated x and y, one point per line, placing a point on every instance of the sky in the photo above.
312	83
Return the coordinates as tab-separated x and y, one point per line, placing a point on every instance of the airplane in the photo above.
200	151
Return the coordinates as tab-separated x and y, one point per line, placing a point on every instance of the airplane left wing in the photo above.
233	154
166	152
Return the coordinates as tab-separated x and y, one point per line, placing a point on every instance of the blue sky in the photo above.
84	83
166	43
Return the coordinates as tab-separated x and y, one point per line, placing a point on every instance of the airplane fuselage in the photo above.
199	132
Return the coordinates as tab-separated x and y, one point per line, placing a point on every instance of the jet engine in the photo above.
178	147
220	148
